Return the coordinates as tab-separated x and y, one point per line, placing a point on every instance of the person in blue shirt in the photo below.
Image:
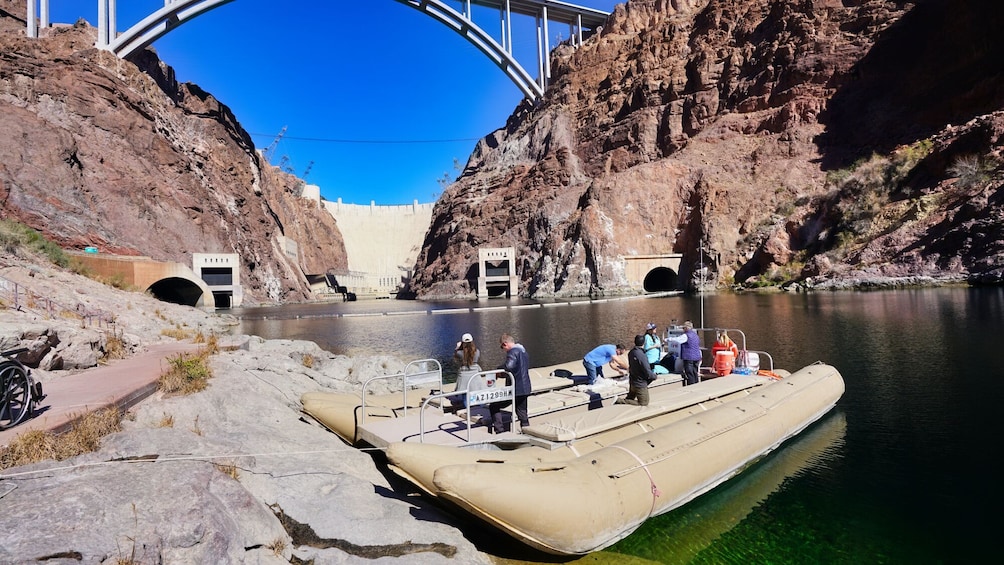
597	358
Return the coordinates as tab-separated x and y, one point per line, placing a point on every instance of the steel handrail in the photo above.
407	378
510	395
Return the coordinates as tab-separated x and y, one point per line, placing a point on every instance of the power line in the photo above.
371	141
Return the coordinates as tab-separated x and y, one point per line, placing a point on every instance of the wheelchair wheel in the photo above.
15	394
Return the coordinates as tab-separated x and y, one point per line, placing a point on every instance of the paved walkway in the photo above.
122	383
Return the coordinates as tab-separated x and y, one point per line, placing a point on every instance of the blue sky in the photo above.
381	98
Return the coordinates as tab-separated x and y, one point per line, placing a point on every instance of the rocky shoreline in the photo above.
232	474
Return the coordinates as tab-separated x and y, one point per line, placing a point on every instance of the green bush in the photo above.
15	236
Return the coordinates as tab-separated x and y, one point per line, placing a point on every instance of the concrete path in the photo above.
122	383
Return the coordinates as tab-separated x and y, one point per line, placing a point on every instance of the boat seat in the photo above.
567	427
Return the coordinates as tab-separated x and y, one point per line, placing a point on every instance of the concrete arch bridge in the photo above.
581	21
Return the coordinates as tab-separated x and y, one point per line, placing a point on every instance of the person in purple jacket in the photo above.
690	352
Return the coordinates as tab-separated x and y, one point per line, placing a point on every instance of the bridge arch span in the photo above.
176	12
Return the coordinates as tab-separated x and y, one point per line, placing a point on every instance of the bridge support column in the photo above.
38	17
106	23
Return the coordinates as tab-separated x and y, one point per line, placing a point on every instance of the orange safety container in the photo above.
724	362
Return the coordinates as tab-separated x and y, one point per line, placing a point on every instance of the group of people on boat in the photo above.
642	364
646	361
649	359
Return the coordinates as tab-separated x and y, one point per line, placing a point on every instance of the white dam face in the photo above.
382	242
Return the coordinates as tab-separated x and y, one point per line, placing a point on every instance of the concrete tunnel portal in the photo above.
661	279
177	290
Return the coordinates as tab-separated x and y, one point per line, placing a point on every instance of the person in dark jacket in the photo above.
517	363
640	374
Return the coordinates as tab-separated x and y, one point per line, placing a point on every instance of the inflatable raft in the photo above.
576	505
586	472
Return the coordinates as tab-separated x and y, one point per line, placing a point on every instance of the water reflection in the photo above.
696	526
909	478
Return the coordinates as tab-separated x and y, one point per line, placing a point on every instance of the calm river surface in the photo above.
903	470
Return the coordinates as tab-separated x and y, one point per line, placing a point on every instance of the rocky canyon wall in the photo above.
97	151
819	141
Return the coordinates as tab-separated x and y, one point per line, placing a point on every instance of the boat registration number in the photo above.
490	395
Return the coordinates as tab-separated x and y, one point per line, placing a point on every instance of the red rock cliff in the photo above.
99	151
808	140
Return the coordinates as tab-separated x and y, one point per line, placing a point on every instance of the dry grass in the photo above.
188	374
114	348
83	436
212	345
195	427
277	546
229	469
166	421
176	332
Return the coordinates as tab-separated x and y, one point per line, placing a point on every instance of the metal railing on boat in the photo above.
492	393
415	373
713	333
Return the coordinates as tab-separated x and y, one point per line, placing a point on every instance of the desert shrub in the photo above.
212	346
114	347
904	159
972	171
187	374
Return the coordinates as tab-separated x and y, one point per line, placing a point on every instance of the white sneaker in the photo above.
600	381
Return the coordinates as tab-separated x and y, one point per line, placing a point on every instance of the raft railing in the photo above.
493	393
415	373
713	332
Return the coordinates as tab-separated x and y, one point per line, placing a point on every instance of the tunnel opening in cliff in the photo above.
661	279
176	290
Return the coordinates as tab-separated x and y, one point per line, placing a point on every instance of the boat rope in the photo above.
656	493
158	459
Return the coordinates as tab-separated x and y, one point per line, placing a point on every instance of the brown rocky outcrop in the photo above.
799	140
97	151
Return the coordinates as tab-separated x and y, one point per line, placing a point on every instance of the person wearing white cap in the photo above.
467	356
